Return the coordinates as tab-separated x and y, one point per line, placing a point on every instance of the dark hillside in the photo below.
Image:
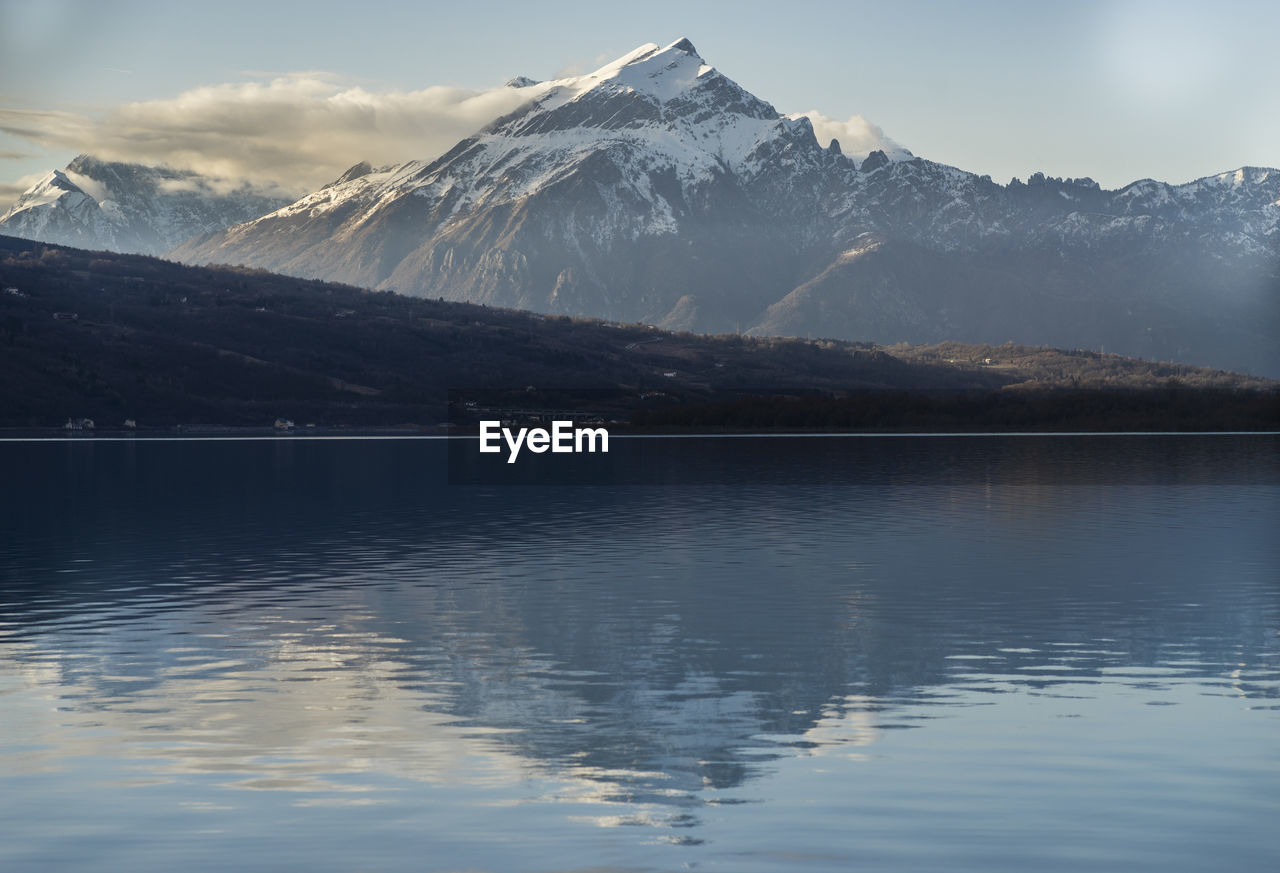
114	337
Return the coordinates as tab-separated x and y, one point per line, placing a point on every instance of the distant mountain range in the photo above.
656	189
122	207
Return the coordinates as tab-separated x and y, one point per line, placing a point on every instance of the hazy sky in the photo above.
290	91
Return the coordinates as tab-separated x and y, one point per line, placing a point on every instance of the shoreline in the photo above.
26	435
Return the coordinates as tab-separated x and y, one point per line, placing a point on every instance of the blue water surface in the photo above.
890	654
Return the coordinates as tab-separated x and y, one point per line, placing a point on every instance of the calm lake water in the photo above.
888	654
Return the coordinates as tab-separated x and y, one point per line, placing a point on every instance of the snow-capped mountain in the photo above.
122	207
657	189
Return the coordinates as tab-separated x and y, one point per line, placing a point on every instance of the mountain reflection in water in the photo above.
282	640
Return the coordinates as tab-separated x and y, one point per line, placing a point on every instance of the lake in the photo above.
747	654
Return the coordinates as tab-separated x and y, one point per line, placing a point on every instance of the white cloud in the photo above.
93	188
858	137
299	130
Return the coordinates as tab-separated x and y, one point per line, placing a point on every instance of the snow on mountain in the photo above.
657	189
56	206
653	145
122	207
654	108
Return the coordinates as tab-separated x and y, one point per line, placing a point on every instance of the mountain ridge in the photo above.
657	189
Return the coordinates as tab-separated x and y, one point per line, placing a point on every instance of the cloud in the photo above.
858	137
299	130
92	187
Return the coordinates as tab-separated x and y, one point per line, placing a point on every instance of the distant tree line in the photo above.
1060	410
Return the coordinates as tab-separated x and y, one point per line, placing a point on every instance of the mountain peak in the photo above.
49	189
357	171
655	104
683	44
117	206
662	73
85	164
58	179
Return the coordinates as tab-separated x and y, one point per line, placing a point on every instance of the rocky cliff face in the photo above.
656	189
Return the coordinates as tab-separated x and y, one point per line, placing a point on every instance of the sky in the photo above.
292	93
